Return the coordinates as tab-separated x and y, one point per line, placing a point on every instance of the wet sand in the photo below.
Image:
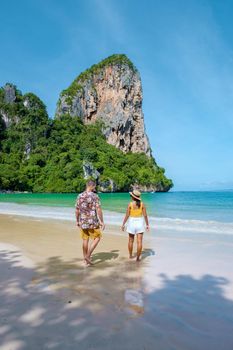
179	297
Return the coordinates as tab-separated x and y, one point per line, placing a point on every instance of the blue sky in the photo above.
183	50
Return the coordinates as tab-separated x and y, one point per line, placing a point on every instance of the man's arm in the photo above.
99	213
77	211
77	214
100	217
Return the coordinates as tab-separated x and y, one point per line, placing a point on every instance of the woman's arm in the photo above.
126	218
145	216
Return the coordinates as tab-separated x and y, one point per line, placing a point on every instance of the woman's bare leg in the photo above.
130	245
139	245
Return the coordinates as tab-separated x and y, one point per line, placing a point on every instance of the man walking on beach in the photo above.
89	219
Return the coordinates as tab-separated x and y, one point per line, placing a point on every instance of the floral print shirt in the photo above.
88	203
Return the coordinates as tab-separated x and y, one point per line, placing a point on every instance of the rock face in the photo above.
27	110
89	171
12	104
9	92
110	92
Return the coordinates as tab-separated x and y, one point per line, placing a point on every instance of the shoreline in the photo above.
180	296
159	225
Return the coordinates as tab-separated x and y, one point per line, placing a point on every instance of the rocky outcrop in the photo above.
90	171
56	155
9	98
110	92
159	187
107	186
27	110
10	93
14	106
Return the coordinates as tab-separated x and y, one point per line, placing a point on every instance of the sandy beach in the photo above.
179	297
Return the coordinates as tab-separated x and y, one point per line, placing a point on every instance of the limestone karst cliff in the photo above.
98	132
111	92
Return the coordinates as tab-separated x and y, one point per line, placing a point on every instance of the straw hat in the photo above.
135	194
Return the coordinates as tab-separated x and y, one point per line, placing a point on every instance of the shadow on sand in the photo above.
147	252
60	305
105	256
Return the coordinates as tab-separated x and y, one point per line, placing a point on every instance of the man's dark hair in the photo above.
90	183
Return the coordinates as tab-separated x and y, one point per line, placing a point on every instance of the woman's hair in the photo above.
137	201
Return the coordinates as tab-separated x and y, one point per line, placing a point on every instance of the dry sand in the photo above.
179	297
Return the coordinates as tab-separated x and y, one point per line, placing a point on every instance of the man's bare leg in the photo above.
85	248
130	245
92	248
139	245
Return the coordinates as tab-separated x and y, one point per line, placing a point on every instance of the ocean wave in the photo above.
114	218
177	224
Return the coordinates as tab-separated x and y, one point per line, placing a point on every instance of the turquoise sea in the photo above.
190	211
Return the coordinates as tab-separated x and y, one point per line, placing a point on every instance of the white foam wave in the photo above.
113	218
193	225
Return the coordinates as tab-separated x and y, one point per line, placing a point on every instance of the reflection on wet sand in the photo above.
134	293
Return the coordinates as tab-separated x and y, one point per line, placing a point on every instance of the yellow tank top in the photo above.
135	212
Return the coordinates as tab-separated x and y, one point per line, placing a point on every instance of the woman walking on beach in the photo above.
136	217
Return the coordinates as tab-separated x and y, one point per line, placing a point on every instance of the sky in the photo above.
182	49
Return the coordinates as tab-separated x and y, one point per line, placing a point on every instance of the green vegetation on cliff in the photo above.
42	155
117	59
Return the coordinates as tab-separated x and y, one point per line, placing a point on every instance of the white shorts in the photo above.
135	225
